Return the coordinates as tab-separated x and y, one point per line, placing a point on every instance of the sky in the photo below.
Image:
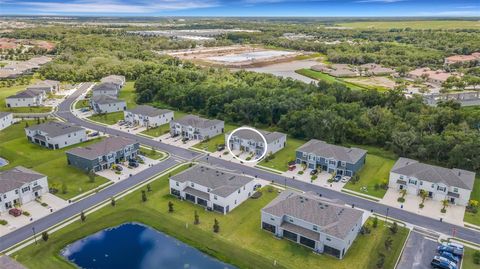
239	8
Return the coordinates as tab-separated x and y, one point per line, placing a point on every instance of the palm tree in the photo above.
423	194
444	204
388	243
403	192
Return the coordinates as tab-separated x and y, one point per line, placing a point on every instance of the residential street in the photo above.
185	154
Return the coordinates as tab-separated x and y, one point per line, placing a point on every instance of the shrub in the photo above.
443	210
45	236
375	222
44	204
26	213
300	172
256	195
269	189
394	228
476	257
314	177
3	222
401	199
248	158
216	226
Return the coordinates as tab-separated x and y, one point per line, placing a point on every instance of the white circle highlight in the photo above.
250	129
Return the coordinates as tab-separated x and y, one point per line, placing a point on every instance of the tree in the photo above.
64	188
216	226
112	201
388	243
149	188
82	216
473	203
444	205
196	218
91	176
45	236
170	207
375	222
394	228
476	257
144	196
380	261
423	194
26	124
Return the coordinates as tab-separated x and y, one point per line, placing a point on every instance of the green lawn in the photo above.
211	145
281	158
434	24
109	119
82	103
163	129
327	78
240	241
467	262
18	151
376	170
128	94
151	153
7	91
470	217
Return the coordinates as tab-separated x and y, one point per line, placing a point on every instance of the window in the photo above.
193	185
238	191
412	181
433	185
16	191
344	163
421	183
441	188
455	189
315	228
215	197
328	239
176	183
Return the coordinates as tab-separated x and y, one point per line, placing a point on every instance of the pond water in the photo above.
3	162
135	246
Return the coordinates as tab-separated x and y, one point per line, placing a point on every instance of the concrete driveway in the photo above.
177	141
431	209
419	251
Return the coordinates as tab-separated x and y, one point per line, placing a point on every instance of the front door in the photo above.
430	194
452	200
401	187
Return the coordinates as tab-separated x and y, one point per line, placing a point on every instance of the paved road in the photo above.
23	233
419	251
397	213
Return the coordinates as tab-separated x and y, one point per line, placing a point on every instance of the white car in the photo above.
345	179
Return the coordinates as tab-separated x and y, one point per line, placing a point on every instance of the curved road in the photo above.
185	154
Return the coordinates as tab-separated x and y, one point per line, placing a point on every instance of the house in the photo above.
55	134
195	128
106	88
212	188
20	185
249	141
107	104
6	119
104	154
376	70
317	154
336	70
439	183
148	116
26	98
326	226
463	59
48	86
115	79
433	76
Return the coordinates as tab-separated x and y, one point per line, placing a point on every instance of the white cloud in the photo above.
114	6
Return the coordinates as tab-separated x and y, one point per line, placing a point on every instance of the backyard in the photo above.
474	218
240	241
281	158
211	145
163	129
18	151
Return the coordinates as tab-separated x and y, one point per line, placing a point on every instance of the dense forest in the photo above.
446	135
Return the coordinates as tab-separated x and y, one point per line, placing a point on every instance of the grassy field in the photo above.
109	119
434	24
152	154
82	103
470	217
7	91
211	145
327	78
282	157
240	241
376	170
163	129
467	262
18	151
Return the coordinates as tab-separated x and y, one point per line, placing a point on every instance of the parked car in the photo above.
93	134
84	109
450	256
442	263
313	172
133	164
256	187
447	248
292	167
457	246
220	147
185	139
15	212
345	179
337	178
118	168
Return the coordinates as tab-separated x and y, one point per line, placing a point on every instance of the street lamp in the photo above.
34	236
386	216
285	183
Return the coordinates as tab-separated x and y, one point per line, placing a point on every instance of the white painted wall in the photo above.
6	121
23	197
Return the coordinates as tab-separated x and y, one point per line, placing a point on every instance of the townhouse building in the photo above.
215	189
249	141
6	119
55	134
195	128
104	154
326	226
48	86
317	154
148	116
20	185
26	98
439	183
115	79
107	104
106	88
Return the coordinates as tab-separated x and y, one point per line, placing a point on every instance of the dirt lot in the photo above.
373	82
235	56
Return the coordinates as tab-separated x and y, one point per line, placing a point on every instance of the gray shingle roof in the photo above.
221	183
148	111
55	128
451	177
251	135
102	148
105	86
331	216
323	149
116	79
197	122
28	93
4	114
105	99
16	177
